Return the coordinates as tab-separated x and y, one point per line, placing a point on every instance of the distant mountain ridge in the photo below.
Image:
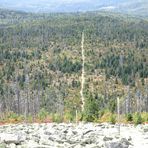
138	7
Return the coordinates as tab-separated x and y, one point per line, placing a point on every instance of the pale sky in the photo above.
73	5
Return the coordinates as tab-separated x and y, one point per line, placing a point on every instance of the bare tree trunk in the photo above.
17	94
38	97
18	100
83	74
146	99
27	96
138	100
128	106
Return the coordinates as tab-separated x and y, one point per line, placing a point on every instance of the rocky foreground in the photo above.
82	135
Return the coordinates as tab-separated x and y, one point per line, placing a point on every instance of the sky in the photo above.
28	3
42	1
74	5
35	2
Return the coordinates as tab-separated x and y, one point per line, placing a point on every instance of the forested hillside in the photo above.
41	63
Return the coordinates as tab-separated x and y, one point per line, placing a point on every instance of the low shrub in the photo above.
42	115
12	117
30	118
105	117
68	117
144	116
137	119
129	117
57	118
112	119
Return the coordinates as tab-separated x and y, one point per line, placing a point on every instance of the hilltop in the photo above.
137	8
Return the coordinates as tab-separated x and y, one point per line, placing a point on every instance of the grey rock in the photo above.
107	138
75	132
11	138
77	146
12	145
83	135
47	133
145	130
3	145
51	138
130	138
115	145
125	141
87	132
65	131
87	141
117	136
